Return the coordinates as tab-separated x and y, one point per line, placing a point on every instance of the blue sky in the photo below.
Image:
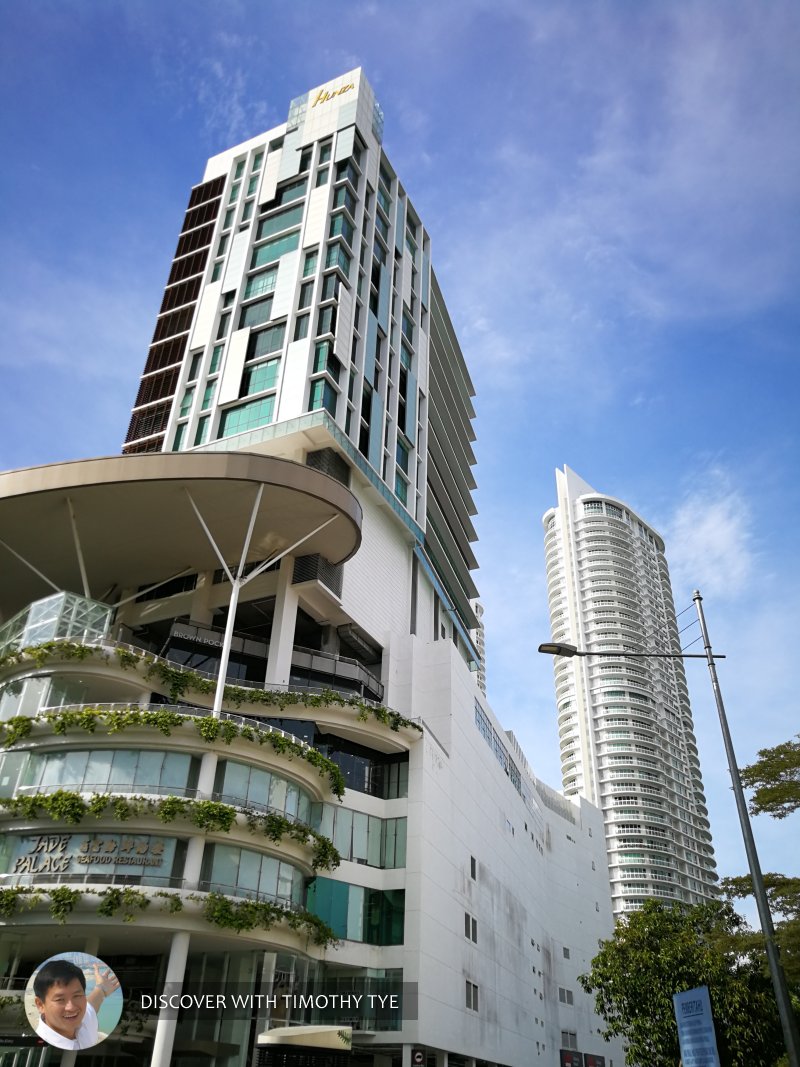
612	190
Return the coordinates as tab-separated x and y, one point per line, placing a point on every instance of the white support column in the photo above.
78	549
167	1021
200	611
284	620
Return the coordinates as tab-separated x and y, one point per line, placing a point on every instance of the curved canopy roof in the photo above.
133	520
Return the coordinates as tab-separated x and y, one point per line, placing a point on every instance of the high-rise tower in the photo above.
301	292
625	724
266	604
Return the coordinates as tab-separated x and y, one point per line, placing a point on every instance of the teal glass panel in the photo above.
264	376
247	416
272	250
263	282
284	220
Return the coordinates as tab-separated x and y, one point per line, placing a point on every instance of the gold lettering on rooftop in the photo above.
324	95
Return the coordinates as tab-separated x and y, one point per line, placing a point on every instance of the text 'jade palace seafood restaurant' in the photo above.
292	514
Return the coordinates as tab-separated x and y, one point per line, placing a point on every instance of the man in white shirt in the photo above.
68	1017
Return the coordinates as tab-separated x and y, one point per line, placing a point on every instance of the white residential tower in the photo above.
625	724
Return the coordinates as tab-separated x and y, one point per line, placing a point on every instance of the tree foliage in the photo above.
667	948
775	780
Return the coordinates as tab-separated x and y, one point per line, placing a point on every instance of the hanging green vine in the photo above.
211	816
178	681
240	915
128	901
115	720
217	909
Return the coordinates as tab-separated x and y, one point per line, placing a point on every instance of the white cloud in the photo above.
710	539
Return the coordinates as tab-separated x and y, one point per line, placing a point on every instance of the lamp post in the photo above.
785	1012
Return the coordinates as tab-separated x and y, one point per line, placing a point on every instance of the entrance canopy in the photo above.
127	521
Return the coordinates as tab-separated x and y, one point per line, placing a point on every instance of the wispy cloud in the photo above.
671	200
710	540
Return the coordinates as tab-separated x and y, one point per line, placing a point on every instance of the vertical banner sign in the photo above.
696	1028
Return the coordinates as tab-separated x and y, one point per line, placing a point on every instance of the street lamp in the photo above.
759	891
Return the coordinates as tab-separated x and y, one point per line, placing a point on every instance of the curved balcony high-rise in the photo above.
625	724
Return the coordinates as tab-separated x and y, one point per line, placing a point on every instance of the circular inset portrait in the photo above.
73	1000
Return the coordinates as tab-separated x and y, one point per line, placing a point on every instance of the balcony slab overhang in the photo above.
121	521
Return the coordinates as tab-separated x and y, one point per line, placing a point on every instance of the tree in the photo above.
667	948
775	779
783	895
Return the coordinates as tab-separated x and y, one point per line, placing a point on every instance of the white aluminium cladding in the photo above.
625	725
302	300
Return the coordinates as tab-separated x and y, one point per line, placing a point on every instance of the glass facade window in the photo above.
337	257
263	282
301	327
362	838
194	369
322	395
113	770
322	176
256	314
258	159
272	250
238	783
326	320
343	197
292	191
247	210
364	770
239	170
325	360
216	356
283	220
234	192
341	226
306	292
224	322
186	402
241	872
401	488
246	416
261	377
180	433
325	152
355	913
265	342
201	434
345	171
252	185
208	395
310	262
330	287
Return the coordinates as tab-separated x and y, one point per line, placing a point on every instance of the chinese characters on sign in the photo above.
55	853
